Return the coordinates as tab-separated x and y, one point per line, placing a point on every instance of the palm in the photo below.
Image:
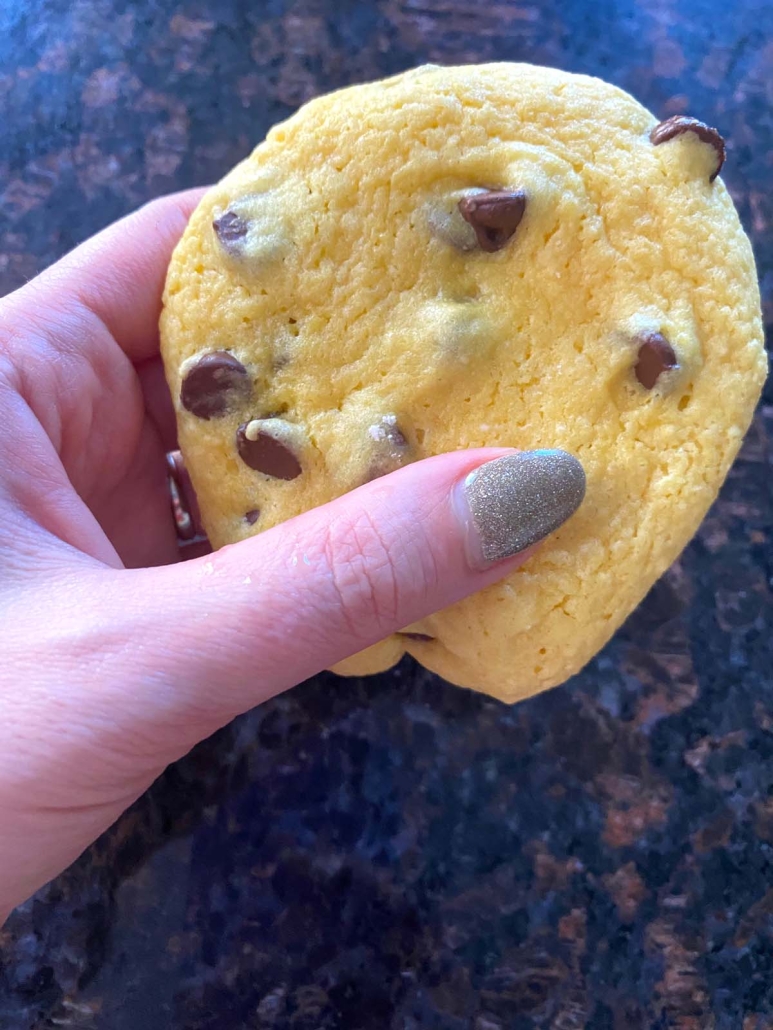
94	417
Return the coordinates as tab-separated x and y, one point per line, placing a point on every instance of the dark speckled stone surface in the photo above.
396	853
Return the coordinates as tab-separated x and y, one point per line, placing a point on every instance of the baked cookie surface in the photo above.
497	255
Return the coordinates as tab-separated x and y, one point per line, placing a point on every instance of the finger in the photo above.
212	637
158	402
118	275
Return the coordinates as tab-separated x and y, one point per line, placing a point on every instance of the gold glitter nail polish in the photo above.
518	499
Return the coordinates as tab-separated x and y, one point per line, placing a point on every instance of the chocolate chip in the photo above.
396	438
494	216
680	124
214	382
656	355
254	231
251	517
389	432
392	449
423	637
263	452
230	228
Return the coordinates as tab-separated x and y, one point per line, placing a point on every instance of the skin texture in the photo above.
358	295
118	657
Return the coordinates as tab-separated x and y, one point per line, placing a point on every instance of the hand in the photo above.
117	657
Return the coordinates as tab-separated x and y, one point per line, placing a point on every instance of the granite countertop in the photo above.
395	852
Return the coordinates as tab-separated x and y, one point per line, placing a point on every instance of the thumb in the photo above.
231	629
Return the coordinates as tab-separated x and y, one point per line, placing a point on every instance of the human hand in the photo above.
117	657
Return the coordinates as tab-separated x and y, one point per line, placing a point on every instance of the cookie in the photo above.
501	255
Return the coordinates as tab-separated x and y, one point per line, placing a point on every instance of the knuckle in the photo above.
367	572
166	212
12	345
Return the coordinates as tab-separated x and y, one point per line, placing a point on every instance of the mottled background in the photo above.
395	853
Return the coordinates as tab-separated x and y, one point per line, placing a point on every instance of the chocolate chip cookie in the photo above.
469	257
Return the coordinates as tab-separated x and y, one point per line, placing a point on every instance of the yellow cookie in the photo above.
470	257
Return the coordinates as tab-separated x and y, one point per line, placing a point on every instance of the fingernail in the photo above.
513	502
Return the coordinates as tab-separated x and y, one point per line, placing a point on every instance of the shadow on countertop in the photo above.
395	852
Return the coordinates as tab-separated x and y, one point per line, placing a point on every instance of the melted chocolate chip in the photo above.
680	124
392	449
656	355
423	637
230	228
494	216
213	383
389	432
264	453
251	517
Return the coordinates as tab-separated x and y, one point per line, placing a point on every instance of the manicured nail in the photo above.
517	500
